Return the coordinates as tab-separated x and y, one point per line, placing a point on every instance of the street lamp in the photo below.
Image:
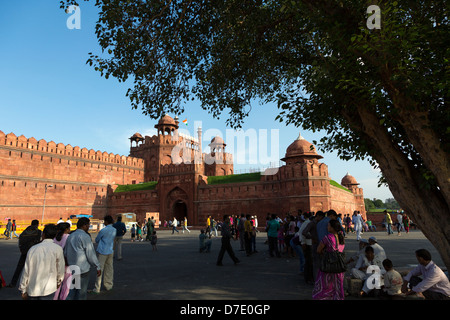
45	194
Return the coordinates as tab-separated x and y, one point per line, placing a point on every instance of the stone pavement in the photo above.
177	271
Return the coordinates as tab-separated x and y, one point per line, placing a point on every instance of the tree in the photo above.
369	204
378	203
380	94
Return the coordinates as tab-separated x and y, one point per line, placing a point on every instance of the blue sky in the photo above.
48	92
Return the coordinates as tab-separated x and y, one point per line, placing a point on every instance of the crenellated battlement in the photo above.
42	146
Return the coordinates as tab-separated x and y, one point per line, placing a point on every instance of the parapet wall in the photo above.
76	178
51	147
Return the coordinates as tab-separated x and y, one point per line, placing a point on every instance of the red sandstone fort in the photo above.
150	181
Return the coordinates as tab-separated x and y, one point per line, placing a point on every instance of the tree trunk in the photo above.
427	208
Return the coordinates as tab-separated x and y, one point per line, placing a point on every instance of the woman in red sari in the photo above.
330	286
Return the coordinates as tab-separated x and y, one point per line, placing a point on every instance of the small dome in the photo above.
348	180
137	135
217	141
301	147
166	119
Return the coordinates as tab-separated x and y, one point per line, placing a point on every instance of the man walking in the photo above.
44	268
105	241
80	252
121	230
28	238
226	244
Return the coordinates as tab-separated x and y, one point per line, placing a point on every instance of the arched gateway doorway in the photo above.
179	210
176	205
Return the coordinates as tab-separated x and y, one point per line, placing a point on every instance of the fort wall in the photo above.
79	178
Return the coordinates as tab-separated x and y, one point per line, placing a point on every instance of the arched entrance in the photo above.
179	210
176	205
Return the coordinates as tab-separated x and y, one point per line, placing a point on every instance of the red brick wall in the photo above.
79	177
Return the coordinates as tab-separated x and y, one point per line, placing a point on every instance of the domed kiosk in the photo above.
301	150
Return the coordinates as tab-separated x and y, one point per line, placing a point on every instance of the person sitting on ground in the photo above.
205	245
393	280
377	249
434	284
365	268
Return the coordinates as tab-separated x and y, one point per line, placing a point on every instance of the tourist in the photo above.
80	252
69	222
151	227
214	226
105	241
306	244
185	226
208	226
205	245
248	235
388	221
296	245
60	220
133	233
154	241
62	234
61	239
280	238
399	223
28	238
43	272
138	232
371	226
174	225
13	229
378	250
358	223
365	267
393	280
273	227
310	232
253	242
226	244
241	232
330	286
433	284
7	232
359	256
406	222
290	233
121	230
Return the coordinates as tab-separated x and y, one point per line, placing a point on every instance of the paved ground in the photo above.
177	271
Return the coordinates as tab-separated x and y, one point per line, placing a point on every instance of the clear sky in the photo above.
48	92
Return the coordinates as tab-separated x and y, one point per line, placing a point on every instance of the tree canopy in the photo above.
380	94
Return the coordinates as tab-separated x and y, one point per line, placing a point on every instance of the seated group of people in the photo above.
426	281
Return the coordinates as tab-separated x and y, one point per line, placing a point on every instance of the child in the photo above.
393	281
154	240
133	233
205	246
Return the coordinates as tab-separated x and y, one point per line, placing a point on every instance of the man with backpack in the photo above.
28	238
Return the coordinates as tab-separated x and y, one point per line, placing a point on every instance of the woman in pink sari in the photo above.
330	286
60	239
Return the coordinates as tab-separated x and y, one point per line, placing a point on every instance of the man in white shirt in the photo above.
370	269
44	268
434	284
358	223
377	249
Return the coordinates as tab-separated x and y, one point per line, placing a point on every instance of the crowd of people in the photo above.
311	234
55	263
